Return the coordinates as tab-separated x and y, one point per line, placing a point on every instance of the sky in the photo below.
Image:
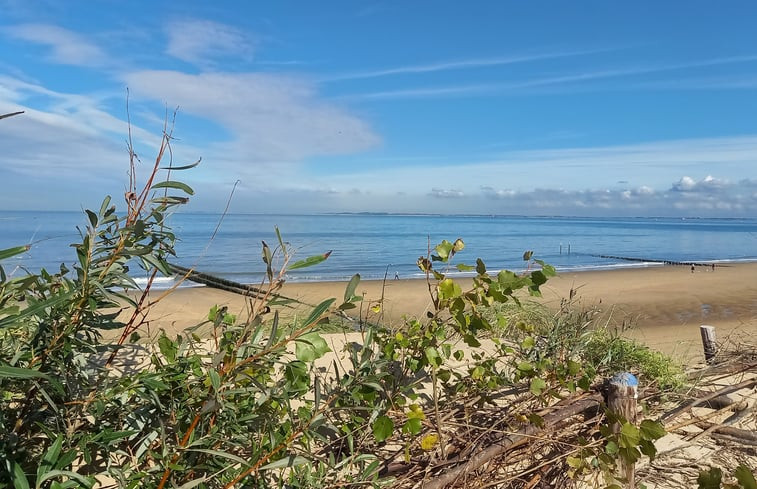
589	108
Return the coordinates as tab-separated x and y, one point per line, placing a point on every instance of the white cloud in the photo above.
708	183
444	193
66	47
270	119
494	193
203	42
66	150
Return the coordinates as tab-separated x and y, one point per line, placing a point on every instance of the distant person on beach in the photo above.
713	267
692	268
396	275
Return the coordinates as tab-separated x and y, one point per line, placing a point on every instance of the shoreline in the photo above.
663	305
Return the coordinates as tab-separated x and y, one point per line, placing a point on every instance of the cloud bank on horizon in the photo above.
496	108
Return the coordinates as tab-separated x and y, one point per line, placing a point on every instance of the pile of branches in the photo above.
496	445
499	445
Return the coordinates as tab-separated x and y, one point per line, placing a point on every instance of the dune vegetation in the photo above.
484	380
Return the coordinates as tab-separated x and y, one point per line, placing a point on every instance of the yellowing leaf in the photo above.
428	442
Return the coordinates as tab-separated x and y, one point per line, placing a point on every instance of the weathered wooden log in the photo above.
698	402
744	436
622	393
708	342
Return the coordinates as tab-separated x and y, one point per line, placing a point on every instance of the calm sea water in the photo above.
375	245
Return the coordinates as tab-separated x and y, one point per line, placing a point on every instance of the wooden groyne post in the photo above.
622	394
708	342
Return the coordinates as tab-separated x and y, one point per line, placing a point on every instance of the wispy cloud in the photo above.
456	65
446	193
66	47
202	42
567	81
269	121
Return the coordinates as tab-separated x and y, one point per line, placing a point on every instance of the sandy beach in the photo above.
661	306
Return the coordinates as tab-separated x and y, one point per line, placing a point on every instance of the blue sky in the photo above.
537	108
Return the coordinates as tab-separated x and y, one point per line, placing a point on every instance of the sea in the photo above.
388	245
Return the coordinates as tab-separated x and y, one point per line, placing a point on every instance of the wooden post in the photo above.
708	342
621	400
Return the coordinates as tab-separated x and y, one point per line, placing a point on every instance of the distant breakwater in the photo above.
652	260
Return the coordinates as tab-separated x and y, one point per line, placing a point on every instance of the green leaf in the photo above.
444	251
527	255
538	277
282	245
85	481
536	420
745	477
36	308
525	367
19	478
432	356
573	367
464	268
51	456
383	428
651	430
167	348
710	479
310	261
185	167
215	379
537	386
471	340
217	453
17	250
647	448
412	426
196	482
611	448
20	373
289	461
574	462
629	435
175	185
349	292
449	289
317	312
310	346
296	373
527	343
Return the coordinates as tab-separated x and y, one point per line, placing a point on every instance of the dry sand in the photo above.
666	304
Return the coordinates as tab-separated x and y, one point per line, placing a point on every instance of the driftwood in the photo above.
702	400
743	436
219	283
509	442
